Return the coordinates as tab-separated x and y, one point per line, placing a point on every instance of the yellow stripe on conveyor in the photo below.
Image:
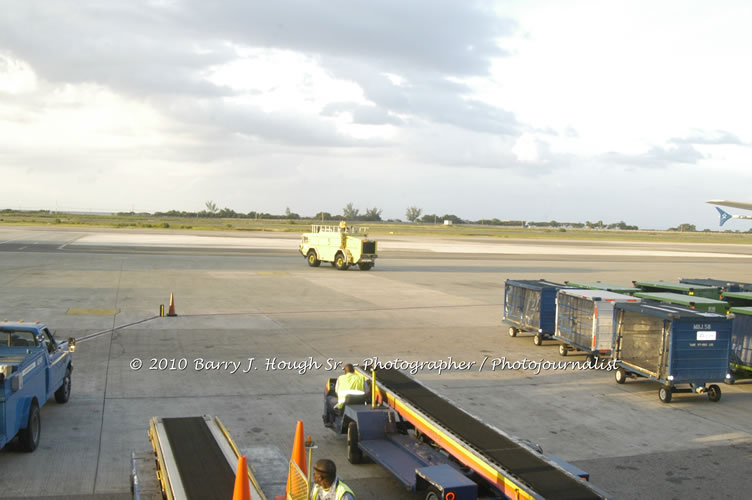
515	469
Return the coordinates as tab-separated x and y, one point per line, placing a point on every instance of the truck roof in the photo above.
18	325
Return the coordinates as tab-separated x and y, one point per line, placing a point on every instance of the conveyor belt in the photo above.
204	470
542	477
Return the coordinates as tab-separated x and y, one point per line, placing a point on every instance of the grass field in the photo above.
374	228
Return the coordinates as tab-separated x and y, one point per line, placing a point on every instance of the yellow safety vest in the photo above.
349	384
342	488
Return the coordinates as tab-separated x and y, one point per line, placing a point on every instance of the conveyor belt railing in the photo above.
511	466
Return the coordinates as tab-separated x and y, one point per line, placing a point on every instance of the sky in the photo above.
635	111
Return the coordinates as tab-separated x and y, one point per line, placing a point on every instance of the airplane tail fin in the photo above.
725	216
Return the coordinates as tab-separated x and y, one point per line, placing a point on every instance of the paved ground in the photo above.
427	299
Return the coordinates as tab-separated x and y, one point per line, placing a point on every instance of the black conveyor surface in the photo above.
538	474
203	468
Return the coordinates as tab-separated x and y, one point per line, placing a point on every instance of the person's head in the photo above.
324	473
349	368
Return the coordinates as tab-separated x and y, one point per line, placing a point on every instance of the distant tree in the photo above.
350	212
413	213
227	213
373	214
290	214
453	218
430	218
684	228
211	207
324	216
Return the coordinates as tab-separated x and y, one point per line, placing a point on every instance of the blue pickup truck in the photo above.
33	367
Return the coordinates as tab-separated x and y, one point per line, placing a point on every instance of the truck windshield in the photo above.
17	338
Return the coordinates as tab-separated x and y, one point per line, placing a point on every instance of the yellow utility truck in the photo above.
342	246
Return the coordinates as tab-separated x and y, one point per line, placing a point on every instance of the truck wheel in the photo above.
563	349
63	394
29	437
432	493
340	262
664	394
313	261
538	339
714	393
354	454
513	331
365	266
620	375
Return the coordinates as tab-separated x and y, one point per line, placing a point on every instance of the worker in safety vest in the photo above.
342	226
328	486
349	384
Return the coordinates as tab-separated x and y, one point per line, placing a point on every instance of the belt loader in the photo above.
432	446
195	459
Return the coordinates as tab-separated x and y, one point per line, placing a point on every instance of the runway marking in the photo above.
69	242
339	311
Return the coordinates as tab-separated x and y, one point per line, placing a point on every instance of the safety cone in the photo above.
171	311
242	489
298	452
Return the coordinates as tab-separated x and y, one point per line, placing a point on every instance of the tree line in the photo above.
412	214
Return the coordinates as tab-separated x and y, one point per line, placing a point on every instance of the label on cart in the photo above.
706	335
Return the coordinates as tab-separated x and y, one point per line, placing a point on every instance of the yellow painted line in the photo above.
510	488
74	311
732	436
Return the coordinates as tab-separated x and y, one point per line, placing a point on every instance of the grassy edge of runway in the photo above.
240	225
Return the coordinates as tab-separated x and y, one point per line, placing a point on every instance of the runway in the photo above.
253	296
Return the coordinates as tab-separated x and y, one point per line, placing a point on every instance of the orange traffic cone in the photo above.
171	311
298	453
242	489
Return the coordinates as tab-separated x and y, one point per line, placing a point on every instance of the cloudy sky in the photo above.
538	110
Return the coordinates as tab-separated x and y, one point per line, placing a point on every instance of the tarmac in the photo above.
428	299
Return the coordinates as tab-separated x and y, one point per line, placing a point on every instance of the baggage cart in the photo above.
697	303
584	320
725	286
598	285
530	306
710	292
737	299
672	345
741	343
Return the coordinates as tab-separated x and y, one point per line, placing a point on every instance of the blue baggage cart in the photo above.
530	306
741	343
672	345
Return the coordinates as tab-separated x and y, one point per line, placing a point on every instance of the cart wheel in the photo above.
538	339
513	331
592	359
714	393
621	375
664	393
432	493
354	453
563	349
